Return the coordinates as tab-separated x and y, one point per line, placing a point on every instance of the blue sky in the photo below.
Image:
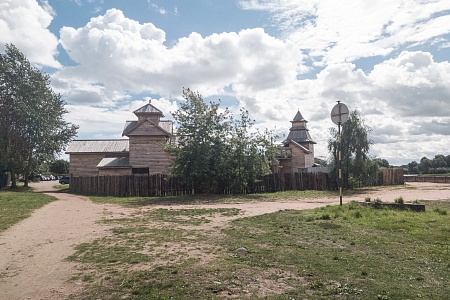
387	58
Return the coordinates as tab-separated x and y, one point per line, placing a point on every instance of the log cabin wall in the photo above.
114	172
149	152
84	164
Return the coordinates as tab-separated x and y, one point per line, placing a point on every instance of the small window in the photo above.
140	170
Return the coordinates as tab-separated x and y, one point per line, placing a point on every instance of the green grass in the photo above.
334	252
19	204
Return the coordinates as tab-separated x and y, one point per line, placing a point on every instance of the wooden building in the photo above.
142	153
297	150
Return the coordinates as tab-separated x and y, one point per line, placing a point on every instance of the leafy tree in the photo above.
357	168
424	165
251	152
59	166
32	125
213	148
413	167
382	162
439	161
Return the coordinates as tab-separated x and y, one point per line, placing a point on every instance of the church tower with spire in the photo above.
297	150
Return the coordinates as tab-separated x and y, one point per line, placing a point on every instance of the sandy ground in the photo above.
33	252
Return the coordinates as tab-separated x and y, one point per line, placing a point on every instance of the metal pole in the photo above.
340	155
340	163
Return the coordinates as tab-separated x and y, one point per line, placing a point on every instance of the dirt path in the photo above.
32	257
32	252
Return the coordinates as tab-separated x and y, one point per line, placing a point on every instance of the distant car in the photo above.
64	180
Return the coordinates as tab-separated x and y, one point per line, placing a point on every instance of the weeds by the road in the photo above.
334	252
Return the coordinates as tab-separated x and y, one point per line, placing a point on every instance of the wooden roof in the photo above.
148	109
299	132
98	146
165	126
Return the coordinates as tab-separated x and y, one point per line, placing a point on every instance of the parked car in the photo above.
64	179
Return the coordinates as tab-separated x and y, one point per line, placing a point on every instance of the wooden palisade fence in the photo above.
163	185
391	177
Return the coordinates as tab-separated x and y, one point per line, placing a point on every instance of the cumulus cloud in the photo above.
24	23
125	55
108	122
343	31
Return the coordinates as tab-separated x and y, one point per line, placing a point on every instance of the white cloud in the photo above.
124	55
108	122
403	98
24	23
342	31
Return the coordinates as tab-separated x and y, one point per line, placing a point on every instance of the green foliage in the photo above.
32	125
399	200
215	148
357	168
59	167
440	164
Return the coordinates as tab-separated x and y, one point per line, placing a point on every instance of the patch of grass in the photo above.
19	204
334	252
209	199
399	200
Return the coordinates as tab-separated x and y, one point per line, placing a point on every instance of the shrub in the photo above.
399	200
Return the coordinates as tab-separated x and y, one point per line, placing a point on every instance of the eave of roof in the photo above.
130	126
306	150
98	146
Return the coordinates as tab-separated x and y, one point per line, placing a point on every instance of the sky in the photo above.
388	59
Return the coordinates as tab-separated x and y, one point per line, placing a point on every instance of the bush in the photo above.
399	200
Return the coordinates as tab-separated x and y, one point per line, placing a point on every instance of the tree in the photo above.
357	168
251	152
382	162
424	165
213	148
413	167
59	167
32	125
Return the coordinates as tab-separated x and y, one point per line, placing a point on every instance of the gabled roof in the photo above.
164	126
114	162
287	142
98	146
148	109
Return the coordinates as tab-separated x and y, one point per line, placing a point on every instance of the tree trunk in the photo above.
13	180
28	170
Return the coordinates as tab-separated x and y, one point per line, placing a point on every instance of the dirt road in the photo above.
33	252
